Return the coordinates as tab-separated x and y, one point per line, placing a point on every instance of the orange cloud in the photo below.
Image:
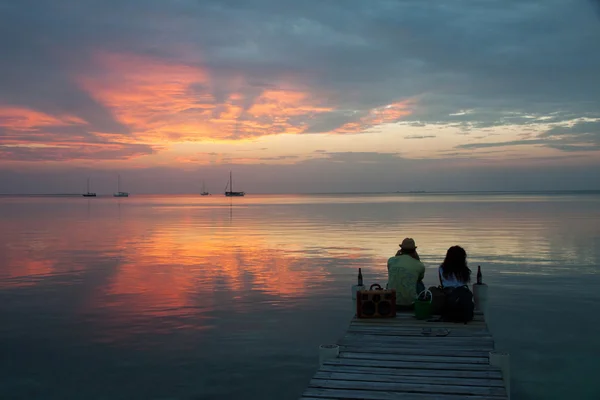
147	95
30	135
26	120
379	116
164	102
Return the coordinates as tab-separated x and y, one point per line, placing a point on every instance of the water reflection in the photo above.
176	280
163	253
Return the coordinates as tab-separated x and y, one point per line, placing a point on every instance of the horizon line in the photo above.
412	192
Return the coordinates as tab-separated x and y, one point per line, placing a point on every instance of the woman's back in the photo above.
454	271
450	281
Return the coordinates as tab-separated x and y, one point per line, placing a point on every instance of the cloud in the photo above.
577	135
378	116
579	128
596	4
500	144
113	151
212	158
365	157
28	136
26	120
160	72
419	137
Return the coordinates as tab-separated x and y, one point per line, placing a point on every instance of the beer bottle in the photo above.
360	279
479	278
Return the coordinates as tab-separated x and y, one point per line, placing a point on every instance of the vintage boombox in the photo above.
376	302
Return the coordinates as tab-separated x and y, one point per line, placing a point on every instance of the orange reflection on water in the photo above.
21	271
155	274
181	279
181	268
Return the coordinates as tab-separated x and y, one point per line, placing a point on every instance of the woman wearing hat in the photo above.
405	274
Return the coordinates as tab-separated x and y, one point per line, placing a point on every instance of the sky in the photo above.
299	96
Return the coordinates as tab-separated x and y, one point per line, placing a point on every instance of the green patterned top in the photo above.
403	274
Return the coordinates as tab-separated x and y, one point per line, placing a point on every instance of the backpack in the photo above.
459	305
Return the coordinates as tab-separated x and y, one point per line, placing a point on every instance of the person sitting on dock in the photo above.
454	271
455	276
405	274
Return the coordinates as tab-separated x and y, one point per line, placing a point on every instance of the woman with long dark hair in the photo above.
455	276
454	271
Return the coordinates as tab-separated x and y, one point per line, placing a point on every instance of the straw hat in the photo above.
408	244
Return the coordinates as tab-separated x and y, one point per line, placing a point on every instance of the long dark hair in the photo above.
455	264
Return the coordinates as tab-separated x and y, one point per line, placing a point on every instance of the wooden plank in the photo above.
419	341
422	387
420	338
406	319
409	365
416	322
411	316
429	351
420	326
359	376
416	358
448	373
417	331
384	359
372	395
448	347
456	348
420	332
418	344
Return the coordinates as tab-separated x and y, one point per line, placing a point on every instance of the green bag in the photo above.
423	306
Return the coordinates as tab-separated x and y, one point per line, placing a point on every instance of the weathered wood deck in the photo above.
384	359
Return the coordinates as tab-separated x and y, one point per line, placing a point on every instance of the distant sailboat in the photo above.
89	194
119	193
204	192
231	193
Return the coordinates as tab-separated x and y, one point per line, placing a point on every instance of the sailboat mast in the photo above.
88	185
230	182
119	183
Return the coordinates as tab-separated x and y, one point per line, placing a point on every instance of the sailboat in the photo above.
89	194
231	193
204	192
119	193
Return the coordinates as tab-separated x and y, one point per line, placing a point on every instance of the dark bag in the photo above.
459	305
438	298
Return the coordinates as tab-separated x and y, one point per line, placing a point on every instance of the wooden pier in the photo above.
405	358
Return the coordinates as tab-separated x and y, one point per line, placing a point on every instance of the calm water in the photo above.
208	297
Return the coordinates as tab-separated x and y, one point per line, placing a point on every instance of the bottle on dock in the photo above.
479	277
360	278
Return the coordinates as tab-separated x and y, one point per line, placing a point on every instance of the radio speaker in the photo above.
376	302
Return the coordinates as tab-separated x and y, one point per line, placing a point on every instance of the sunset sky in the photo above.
299	96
